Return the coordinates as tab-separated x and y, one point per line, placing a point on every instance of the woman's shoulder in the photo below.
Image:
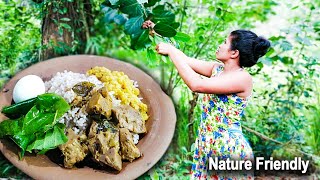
244	75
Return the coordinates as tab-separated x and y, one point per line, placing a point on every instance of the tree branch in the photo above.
200	48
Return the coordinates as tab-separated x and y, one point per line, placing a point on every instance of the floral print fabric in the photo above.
220	135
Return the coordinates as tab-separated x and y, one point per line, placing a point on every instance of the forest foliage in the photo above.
282	119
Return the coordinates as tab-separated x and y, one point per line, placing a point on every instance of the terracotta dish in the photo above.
153	145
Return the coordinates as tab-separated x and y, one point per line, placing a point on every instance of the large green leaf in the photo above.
120	19
133	25
50	102
35	121
51	139
175	25
110	15
165	30
131	7
158	9
182	37
164	17
142	41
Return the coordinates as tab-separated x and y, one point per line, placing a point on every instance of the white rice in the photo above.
62	84
76	117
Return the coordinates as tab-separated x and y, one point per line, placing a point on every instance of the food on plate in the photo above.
75	149
129	150
104	144
100	105
129	118
28	87
123	88
96	116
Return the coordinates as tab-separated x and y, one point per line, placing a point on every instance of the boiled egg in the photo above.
28	87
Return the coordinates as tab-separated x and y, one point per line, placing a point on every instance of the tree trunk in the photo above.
193	104
65	27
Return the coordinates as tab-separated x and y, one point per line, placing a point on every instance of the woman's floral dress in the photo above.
220	135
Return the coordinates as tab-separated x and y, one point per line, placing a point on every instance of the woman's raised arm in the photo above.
200	66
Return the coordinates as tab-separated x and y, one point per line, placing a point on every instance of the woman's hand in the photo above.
148	24
165	48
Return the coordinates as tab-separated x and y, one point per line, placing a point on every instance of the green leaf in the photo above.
157	39
50	140
286	60
151	3
182	37
164	30
50	102
165	59
219	12
133	25
152	58
270	52
36	121
286	45
110	15
65	19
164	17
66	26
142	41
9	127
175	25
158	9
120	19
131	7
23	141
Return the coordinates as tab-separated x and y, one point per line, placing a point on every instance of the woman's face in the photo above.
223	52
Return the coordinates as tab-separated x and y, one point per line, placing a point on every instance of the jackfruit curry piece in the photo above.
109	137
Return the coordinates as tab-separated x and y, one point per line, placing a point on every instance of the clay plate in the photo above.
153	145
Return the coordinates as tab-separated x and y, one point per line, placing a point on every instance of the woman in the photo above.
226	91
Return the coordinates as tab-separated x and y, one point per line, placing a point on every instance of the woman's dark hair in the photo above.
250	46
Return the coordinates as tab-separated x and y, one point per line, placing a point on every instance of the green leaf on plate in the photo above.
50	140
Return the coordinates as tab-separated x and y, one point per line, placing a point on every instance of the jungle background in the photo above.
283	117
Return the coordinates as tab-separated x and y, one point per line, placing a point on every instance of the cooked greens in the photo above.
38	129
83	88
